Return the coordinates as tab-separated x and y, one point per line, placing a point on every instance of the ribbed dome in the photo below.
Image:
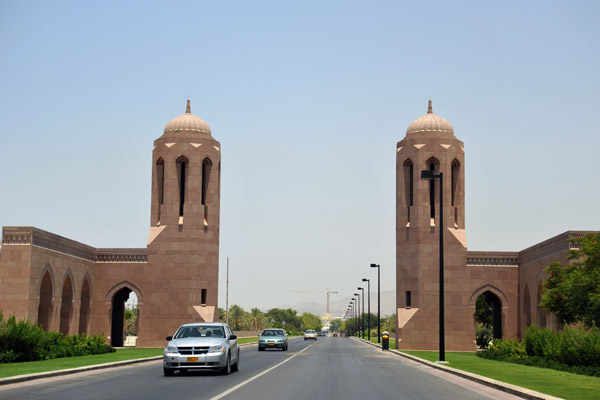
430	123
188	122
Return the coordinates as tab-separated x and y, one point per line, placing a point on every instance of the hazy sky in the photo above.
308	100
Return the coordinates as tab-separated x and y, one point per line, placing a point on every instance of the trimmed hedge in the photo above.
575	350
24	341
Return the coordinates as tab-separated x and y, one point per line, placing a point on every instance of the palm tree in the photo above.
237	318
257	320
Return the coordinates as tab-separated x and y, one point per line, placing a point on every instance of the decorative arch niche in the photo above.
46	293
66	308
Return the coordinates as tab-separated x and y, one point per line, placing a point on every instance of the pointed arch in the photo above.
182	164
541	314
117	296
490	288
66	308
46	294
84	310
454	177
206	168
527	306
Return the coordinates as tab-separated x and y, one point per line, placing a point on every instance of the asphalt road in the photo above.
331	368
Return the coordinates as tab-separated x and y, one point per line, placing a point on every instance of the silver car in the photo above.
200	346
273	339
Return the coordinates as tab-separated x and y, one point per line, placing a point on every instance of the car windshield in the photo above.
200	331
272	332
310	331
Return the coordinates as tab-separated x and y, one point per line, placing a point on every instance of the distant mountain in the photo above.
338	307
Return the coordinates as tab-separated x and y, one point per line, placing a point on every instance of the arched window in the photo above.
408	185
182	164
206	167
454	179
433	165
160	184
160	180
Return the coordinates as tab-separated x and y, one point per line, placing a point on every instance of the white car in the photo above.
310	334
201	346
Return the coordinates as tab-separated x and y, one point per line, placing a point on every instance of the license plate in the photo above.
192	359
271	344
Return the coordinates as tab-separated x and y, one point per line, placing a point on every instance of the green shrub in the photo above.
483	337
25	341
504	350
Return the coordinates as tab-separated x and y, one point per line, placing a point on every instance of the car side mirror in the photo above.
169	338
232	337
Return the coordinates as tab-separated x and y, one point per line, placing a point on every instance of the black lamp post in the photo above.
353	302
378	301
363	311
430	175
369	307
358	313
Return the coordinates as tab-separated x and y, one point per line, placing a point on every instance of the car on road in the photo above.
323	333
310	334
200	346
273	339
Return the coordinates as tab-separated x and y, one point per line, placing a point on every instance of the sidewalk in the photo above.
442	369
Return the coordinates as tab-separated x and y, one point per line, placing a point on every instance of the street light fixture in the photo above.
378	301
363	311
369	309
430	175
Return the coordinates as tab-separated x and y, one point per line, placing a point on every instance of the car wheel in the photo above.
236	367
261	348
168	371
285	348
227	368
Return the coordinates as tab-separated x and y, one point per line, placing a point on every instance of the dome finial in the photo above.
429	109
188	109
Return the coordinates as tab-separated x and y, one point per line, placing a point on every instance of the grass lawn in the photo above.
556	383
392	341
32	367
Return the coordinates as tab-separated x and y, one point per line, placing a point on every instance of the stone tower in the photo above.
183	244
430	144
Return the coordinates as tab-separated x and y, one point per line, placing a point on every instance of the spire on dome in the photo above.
188	109
429	109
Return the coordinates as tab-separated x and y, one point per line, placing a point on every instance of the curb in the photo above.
503	386
60	372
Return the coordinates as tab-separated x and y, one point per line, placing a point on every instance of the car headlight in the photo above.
171	348
217	349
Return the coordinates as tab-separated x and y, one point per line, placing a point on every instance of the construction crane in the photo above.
327	291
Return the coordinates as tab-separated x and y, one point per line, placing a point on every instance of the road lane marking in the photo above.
247	381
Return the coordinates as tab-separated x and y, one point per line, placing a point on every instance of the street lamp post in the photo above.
378	301
358	313
369	307
353	302
430	175
363	311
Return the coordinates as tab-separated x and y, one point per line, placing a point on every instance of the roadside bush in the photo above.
483	337
504	350
574	350
24	341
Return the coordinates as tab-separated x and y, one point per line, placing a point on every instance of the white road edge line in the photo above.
247	381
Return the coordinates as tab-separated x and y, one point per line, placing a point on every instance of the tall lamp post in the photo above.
353	303
358	313
378	301
369	307
363	311
430	175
